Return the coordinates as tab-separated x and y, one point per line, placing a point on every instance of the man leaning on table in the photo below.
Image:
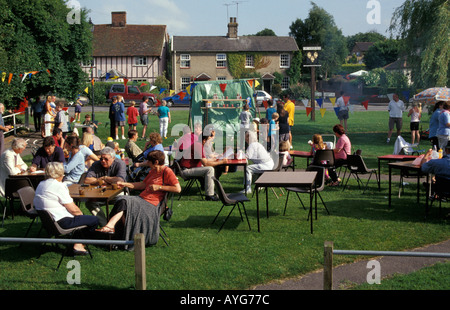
108	169
49	152
438	167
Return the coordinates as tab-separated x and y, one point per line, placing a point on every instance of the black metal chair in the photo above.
356	167
320	186
440	192
234	199
11	187
166	214
54	230
324	158
26	196
190	180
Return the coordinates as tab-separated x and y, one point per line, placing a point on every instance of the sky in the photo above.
210	17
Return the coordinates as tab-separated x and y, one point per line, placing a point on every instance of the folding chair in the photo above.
54	230
190	180
440	192
26	196
357	166
11	187
166	214
320	186
234	200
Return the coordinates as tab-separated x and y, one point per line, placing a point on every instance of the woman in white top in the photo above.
415	113
11	163
53	196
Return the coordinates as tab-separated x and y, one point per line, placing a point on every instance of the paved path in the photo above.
356	273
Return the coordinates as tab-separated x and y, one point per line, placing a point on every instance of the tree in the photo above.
382	53
424	26
319	29
35	35
266	32
371	36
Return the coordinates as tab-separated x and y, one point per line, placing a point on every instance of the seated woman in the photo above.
342	149
75	166
141	214
53	196
11	163
89	156
154	144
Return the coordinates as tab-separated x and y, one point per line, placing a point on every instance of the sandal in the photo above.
106	230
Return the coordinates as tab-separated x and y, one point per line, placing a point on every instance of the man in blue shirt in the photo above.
76	166
119	114
36	109
438	167
270	110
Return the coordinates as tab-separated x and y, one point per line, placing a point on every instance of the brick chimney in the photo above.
232	28
119	19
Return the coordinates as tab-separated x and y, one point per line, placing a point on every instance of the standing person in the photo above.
11	163
415	113
289	106
49	117
132	113
164	119
61	119
112	118
270	110
78	105
36	109
273	127
395	108
283	123
245	119
143	113
434	123
443	132
3	128
119	113
343	110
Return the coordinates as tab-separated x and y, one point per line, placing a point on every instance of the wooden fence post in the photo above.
139	262
328	265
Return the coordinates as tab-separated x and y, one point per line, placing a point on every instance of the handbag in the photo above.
168	212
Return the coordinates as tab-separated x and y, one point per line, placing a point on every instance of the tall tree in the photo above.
382	53
371	36
424	26
41	35
320	29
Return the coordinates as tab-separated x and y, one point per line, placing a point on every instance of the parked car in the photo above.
130	93
261	96
176	99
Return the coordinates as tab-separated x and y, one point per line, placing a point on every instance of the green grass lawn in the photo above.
201	258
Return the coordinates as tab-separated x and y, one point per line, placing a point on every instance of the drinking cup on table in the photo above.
100	182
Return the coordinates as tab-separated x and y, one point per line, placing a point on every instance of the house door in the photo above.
267	85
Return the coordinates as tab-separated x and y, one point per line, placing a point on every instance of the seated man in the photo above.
49	152
131	147
194	163
261	159
438	167
108	170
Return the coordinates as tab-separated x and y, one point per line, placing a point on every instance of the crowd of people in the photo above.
65	156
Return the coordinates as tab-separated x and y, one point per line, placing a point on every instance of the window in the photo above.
221	60
285	61
118	88
140	61
185	81
285	83
221	78
88	63
185	61
249	61
133	90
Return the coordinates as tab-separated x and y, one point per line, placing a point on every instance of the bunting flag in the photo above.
365	103
336	110
265	104
223	87
107	76
250	82
3	76
142	85
188	89
208	89
308	110
346	99
181	94
158	103
333	101
125	81
390	96
152	87
171	92
406	95
48	71
93	82
86	90
305	102
322	111
319	102
256	83
161	90
10	78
